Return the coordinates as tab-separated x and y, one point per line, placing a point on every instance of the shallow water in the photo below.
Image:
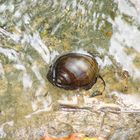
33	33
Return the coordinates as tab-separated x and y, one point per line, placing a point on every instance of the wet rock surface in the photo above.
34	33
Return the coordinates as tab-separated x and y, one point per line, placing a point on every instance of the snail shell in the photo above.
74	71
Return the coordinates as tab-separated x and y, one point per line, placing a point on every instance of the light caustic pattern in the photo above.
33	33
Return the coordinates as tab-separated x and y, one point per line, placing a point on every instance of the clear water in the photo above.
33	33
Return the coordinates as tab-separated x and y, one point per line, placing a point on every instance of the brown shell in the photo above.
74	71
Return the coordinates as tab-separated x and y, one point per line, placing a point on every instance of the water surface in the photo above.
33	33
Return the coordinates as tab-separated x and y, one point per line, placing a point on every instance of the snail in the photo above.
73	71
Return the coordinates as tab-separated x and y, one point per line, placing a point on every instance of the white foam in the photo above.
27	82
37	73
39	46
10	53
131	8
129	100
53	55
82	51
26	19
15	37
104	62
2	73
19	67
3	7
123	35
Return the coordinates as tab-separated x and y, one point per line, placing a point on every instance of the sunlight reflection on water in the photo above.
34	33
